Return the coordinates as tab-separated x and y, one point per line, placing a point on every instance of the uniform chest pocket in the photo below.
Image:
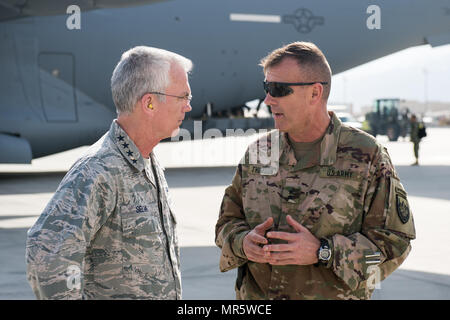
139	214
140	221
143	239
341	209
261	198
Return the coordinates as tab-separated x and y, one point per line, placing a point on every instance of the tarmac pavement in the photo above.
26	189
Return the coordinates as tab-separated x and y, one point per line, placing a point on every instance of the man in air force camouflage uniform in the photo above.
327	216
109	231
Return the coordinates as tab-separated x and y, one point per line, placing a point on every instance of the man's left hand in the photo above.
301	247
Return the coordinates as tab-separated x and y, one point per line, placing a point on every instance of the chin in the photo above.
279	127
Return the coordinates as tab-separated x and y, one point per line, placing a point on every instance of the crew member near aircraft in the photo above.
109	232
330	217
415	137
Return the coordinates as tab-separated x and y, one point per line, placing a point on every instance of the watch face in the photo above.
324	254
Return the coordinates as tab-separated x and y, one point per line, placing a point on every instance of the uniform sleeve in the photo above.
363	259
231	227
56	244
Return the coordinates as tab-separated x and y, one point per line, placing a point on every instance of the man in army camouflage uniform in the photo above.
316	209
109	231
414	136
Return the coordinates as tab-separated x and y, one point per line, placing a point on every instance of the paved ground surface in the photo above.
197	192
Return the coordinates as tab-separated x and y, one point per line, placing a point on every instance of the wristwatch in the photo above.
324	252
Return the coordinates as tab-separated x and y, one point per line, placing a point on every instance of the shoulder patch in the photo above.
402	205
399	214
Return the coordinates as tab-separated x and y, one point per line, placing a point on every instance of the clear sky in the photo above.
416	73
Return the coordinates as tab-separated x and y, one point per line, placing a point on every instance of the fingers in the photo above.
256	254
297	226
256	238
252	249
277	247
276	254
253	239
261	228
282	235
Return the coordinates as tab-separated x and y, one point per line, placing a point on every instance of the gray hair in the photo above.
140	70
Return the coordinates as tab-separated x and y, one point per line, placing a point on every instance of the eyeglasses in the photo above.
186	97
281	89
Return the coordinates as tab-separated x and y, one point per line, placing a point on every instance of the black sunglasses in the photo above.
281	89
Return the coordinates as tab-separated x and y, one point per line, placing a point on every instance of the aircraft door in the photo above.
56	79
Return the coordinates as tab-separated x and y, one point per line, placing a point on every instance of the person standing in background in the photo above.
415	137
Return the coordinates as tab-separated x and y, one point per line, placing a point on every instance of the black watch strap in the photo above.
324	245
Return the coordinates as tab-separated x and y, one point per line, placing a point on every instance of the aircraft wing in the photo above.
15	9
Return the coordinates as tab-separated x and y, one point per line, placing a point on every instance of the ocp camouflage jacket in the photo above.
350	194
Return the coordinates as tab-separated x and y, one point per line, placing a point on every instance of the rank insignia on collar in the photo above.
402	207
120	138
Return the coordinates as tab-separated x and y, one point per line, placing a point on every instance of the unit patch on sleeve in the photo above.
402	205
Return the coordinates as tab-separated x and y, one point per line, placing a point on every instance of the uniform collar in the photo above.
126	146
156	162
328	146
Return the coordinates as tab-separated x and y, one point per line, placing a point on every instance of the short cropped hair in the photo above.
309	57
140	70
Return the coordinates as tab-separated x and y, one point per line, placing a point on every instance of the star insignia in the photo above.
130	153
303	20
125	145
134	161
120	138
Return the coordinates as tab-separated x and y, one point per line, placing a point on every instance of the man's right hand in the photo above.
252	241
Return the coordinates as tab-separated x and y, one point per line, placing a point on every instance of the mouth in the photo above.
277	115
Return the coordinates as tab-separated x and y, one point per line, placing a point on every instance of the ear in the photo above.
316	93
146	101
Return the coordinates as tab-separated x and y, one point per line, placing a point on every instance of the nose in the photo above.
269	99
188	107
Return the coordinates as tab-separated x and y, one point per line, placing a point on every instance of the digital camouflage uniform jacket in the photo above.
351	195
101	236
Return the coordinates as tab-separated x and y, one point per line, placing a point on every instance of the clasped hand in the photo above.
300	249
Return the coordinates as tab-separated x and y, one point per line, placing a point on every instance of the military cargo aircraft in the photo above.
57	56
